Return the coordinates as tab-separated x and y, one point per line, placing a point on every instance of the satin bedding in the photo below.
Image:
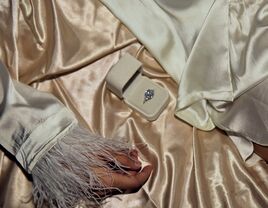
216	50
67	48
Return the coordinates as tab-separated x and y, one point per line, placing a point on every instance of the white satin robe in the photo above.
216	50
30	121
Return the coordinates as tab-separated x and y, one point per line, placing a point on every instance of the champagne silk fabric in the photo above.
215	49
67	48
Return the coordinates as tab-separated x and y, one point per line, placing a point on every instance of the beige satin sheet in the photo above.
67	48
215	49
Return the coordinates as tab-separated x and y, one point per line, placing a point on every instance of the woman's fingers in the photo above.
128	163
131	178
132	181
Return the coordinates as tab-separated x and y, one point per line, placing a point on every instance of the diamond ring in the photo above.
148	95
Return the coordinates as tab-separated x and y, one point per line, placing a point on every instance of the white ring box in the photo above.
126	80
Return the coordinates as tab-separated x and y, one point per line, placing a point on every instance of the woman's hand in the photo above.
131	178
83	166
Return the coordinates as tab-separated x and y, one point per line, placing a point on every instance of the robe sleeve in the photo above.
30	121
47	141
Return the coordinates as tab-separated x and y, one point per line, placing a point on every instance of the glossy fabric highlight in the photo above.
191	168
218	58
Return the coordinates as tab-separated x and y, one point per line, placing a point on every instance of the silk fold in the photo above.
218	54
66	48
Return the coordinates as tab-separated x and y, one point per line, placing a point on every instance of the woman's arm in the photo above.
67	162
